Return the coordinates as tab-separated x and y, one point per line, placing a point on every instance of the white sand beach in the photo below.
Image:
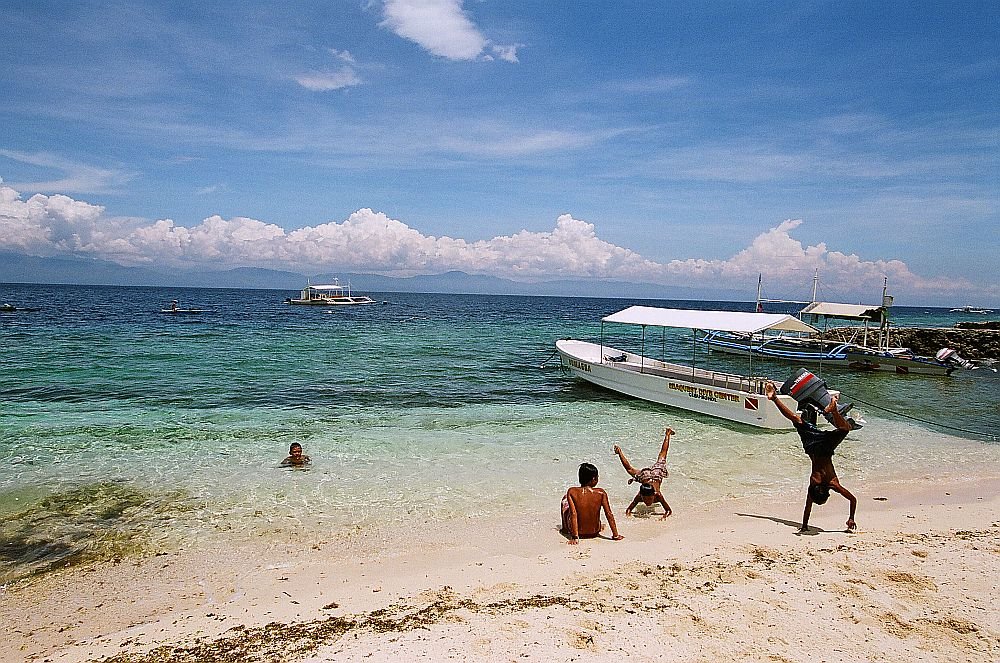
731	581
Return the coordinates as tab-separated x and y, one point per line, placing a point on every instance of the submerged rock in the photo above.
104	521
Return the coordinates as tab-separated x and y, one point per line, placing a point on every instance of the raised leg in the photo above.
666	443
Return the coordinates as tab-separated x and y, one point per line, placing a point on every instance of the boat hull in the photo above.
333	301
842	355
723	395
861	361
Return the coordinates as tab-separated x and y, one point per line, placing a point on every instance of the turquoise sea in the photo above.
124	431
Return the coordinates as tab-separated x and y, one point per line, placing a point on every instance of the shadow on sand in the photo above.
810	531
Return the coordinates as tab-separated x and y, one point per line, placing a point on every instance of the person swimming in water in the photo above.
295	457
581	508
819	445
649	478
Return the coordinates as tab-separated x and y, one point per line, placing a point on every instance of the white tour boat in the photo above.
729	396
329	295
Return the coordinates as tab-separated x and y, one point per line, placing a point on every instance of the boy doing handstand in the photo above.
819	445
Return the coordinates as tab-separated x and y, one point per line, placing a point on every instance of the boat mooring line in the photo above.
554	353
549	359
989	436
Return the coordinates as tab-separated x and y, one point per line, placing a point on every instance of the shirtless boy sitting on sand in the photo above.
581	509
649	478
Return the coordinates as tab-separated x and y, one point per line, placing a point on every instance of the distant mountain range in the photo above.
17	268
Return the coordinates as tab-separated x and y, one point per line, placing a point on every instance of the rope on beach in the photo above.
989	436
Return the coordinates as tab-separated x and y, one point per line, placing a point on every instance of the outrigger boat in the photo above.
10	308
329	295
177	310
729	396
864	346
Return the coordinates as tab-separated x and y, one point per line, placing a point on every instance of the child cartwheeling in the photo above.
649	478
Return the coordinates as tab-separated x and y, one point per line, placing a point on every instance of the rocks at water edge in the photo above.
977	341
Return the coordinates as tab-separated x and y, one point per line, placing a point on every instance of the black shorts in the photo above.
816	442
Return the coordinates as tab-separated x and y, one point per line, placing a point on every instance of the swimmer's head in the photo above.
295	449
588	474
819	492
647	494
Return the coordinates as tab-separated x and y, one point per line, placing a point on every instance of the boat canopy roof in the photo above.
848	311
730	321
325	287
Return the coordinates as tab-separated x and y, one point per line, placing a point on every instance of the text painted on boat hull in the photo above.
704	394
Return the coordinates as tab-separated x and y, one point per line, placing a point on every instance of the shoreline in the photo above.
916	580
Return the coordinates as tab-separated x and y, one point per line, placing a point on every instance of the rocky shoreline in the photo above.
972	340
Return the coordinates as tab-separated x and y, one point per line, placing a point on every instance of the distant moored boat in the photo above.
971	309
330	295
177	310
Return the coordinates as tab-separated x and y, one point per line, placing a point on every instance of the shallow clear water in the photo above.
123	429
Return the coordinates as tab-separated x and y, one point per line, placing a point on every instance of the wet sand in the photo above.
733	580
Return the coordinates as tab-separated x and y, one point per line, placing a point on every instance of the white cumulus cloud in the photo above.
780	258
370	241
442	28
47	225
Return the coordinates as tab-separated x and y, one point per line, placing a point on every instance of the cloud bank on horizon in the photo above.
370	241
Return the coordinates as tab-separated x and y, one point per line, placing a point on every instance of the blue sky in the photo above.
683	143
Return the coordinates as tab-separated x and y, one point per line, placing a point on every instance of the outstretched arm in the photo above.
627	465
805	514
635	501
772	395
606	505
835	485
666	507
666	443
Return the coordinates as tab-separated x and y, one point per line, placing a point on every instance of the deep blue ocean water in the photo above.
123	429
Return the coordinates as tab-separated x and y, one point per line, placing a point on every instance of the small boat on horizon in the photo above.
971	309
10	308
330	295
177	310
